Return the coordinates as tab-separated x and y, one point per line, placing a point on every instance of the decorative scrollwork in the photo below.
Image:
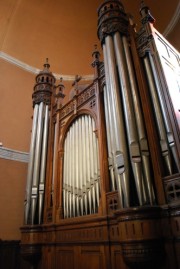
80	100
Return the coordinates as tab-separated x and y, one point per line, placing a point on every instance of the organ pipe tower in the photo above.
103	178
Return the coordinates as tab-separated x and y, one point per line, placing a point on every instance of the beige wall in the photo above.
15	106
12	193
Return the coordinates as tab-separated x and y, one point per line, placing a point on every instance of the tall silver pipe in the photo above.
43	162
120	153
67	168
73	169
65	183
70	173
56	131
158	116
31	163
88	175
112	119
132	136
168	128
80	149
140	125
92	168
36	170
77	180
109	139
84	166
96	163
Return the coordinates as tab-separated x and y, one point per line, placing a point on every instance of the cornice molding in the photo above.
36	71
173	21
14	155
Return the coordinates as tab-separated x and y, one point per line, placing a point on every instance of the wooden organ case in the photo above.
103	186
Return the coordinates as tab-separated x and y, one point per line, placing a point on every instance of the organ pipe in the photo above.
81	169
158	116
43	162
170	137
118	132
134	149
140	124
36	170
31	163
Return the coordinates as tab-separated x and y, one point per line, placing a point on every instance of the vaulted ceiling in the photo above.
64	31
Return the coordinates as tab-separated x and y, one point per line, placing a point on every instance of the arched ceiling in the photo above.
64	31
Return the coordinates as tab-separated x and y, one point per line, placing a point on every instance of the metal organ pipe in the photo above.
158	115
84	167
140	125
118	132
169	133
134	149
80	150
43	162
31	163
81	169
36	170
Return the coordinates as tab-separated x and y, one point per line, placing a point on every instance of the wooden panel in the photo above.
117	258
48	258
91	258
65	259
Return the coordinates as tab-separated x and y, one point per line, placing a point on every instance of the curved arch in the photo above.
70	121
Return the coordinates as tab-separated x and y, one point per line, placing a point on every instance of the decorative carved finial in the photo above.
60	94
77	79
145	13
46	65
142	4
95	56
75	83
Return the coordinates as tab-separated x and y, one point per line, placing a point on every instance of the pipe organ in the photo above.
81	173
104	170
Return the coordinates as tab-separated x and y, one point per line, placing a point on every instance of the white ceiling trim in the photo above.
173	21
34	70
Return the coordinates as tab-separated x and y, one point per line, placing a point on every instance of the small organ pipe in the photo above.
80	165
92	169
65	183
73	171
84	165
88	183
43	162
158	115
31	163
68	175
77	167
